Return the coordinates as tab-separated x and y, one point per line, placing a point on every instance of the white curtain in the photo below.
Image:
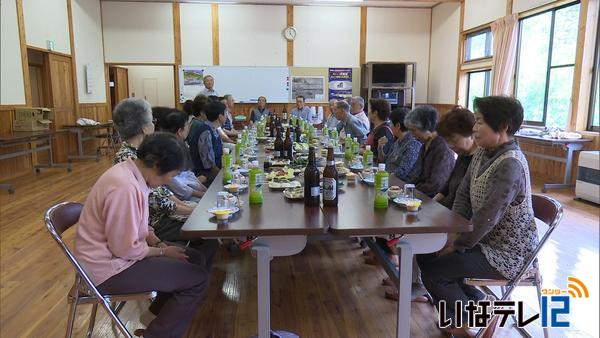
504	32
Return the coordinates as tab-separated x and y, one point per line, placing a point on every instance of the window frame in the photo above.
549	65
488	45
595	82
487	86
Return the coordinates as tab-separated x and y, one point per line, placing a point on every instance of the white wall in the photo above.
327	36
138	32
87	33
251	35
400	35
47	20
11	72
523	5
479	12
196	34
445	27
155	83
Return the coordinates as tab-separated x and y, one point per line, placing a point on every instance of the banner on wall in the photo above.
340	83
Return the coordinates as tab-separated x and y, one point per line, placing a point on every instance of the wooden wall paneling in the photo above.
11	167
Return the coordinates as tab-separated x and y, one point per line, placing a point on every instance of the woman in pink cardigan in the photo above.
121	255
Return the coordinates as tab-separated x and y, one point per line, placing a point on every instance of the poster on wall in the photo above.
192	84
311	87
340	83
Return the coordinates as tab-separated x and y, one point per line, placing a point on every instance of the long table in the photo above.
37	141
280	227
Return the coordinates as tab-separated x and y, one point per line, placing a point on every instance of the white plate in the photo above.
232	211
284	185
368	181
241	187
357	167
402	201
287	194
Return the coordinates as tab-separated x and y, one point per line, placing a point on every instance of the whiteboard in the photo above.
246	84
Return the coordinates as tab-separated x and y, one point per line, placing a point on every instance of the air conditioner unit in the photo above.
587	186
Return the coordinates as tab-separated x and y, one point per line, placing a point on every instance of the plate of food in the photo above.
234	187
280	162
395	191
301	148
411	204
284	184
280	174
223	213
296	193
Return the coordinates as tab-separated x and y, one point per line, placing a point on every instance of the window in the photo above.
546	60
594	113
478	85
478	45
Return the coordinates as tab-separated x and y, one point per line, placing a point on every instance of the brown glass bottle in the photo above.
298	131
330	181
272	126
288	145
312	177
278	145
285	115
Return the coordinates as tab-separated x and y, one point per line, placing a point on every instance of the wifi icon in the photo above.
576	288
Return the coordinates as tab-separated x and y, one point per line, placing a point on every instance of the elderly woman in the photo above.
119	253
436	160
260	111
379	114
456	127
495	195
399	157
133	120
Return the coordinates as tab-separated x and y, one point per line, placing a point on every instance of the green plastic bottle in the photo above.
348	148
255	184
381	186
226	162
368	158
238	152
334	138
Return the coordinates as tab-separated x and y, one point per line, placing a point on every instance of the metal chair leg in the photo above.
71	320
92	320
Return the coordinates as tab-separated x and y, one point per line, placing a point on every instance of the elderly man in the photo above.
358	110
301	111
261	110
209	86
331	121
349	124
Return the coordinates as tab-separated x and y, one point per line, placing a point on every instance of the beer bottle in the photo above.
278	145
330	181
272	126
298	131
312	177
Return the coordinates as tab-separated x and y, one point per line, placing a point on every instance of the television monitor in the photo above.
390	96
388	73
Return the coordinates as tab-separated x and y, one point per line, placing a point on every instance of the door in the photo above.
150	88
119	89
62	101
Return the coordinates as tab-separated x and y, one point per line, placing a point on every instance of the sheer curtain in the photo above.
504	32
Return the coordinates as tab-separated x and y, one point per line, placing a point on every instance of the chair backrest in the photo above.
59	218
549	211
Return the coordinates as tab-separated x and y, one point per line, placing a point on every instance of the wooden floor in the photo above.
326	291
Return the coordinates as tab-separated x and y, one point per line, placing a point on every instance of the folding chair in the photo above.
550	212
109	141
60	218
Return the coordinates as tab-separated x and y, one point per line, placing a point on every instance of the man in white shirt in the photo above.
302	111
357	109
209	86
331	121
227	127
